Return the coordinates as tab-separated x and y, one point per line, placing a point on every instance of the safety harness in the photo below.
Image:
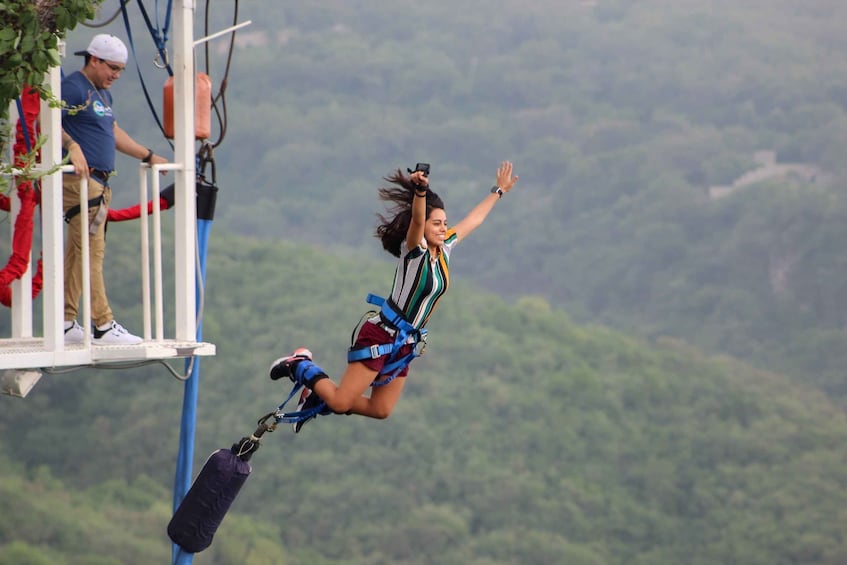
405	334
103	178
74	210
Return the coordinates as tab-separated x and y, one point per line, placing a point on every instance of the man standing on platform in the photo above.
91	136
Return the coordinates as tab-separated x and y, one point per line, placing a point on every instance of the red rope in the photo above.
134	212
29	196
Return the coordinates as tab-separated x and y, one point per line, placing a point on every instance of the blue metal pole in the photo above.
182	482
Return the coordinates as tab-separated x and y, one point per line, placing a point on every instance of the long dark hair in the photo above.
399	197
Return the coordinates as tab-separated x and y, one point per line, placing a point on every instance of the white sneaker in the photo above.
115	334
75	333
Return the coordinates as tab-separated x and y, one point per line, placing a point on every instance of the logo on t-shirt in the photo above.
101	109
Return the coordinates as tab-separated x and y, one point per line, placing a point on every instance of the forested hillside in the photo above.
531	432
620	116
522	437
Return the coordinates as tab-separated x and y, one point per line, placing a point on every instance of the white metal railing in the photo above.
158	301
25	283
22	290
23	349
36	352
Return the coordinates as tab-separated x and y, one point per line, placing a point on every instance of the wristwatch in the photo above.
497	190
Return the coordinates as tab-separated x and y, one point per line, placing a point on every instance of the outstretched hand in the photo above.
505	180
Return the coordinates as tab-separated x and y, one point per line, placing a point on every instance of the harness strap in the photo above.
406	334
389	313
74	210
296	416
372	352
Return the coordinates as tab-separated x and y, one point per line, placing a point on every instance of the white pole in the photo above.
21	288
145	250
53	291
158	301
184	198
86	259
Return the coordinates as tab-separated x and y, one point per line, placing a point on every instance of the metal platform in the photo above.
29	353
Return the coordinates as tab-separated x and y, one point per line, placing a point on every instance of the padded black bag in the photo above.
198	516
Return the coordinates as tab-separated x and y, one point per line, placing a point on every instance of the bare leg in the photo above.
348	396
382	400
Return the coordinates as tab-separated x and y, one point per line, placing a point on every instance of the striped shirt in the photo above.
420	282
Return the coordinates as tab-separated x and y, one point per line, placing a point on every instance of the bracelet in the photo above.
148	157
421	194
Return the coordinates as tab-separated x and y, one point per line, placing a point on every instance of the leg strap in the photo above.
74	210
307	373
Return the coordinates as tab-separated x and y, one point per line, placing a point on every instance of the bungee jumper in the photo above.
387	341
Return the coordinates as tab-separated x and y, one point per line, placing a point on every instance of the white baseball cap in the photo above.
106	47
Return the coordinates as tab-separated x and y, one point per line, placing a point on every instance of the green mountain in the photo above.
681	175
521	437
626	121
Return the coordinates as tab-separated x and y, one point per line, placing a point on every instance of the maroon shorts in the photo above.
372	334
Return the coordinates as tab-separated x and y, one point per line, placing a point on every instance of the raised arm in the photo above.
474	219
418	222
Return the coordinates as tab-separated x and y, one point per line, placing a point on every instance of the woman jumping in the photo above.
418	235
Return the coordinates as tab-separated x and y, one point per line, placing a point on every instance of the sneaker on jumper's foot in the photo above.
309	400
284	366
114	334
74	333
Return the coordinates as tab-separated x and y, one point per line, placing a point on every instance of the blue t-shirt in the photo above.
88	119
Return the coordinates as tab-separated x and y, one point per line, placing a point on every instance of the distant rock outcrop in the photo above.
768	169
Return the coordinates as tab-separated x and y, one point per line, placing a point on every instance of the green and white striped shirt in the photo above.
420	282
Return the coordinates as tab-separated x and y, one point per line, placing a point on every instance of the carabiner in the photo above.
263	426
420	346
157	59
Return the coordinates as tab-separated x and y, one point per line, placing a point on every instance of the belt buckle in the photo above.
375	352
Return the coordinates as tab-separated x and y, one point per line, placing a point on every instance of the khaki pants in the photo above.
101	313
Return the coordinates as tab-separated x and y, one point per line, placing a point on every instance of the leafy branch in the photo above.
29	47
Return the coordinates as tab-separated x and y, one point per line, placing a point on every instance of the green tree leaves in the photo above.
29	37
